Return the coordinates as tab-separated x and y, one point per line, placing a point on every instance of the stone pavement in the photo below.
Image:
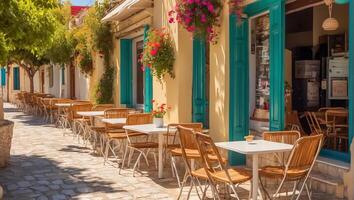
47	165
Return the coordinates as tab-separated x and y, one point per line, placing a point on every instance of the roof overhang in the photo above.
126	8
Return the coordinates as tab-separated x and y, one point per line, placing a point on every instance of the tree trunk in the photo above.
31	84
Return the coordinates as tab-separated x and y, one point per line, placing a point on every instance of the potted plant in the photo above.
159	54
158	113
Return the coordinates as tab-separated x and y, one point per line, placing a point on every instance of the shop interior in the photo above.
316	72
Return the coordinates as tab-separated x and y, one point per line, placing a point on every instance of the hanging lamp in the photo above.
331	23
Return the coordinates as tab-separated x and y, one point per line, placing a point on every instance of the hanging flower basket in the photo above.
200	17
159	54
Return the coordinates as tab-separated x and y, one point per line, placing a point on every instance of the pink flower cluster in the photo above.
198	16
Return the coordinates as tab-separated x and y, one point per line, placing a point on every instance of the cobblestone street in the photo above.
47	165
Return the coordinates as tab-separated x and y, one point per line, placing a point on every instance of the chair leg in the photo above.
125	155
136	163
302	187
185	178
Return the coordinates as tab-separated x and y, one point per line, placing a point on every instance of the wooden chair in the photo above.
293	122
298	167
338	128
79	123
173	148
314	124
112	135
287	137
219	172
141	145
186	136
102	107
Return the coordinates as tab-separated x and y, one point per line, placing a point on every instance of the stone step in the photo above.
335	168
328	184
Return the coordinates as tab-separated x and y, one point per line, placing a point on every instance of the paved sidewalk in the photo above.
47	165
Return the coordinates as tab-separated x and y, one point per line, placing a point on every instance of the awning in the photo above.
126	8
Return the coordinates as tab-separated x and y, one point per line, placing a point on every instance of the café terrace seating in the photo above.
202	161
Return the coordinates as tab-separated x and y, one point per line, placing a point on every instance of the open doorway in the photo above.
316	75
138	74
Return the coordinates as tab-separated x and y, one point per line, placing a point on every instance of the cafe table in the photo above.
91	115
255	148
114	120
151	129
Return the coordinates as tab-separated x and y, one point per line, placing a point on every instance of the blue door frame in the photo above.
239	81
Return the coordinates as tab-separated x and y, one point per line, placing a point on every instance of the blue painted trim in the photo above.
239	86
16	77
351	72
342	156
126	76
148	93
276	53
199	102
3	76
260	6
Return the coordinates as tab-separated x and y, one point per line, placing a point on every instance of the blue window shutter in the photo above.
126	76
16	77
3	76
199	93
63	75
148	81
276	53
239	89
351	72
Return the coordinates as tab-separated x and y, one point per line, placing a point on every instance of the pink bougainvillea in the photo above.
200	17
236	8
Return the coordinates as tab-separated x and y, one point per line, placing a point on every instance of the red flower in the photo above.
153	52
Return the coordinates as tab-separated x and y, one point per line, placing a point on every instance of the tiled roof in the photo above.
77	9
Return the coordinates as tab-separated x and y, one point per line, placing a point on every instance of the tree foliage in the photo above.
26	31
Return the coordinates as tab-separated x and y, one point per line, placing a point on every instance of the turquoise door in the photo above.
239	70
239	56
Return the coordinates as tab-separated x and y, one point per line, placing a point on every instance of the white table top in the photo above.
257	147
63	104
114	120
146	128
90	113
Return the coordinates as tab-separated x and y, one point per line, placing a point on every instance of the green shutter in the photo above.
351	72
16	77
239	81
277	38
126	76
3	76
199	102
148	92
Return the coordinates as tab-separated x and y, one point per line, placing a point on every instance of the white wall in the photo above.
82	85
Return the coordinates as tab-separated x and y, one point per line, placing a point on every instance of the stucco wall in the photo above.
219	81
177	92
116	61
98	70
82	85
